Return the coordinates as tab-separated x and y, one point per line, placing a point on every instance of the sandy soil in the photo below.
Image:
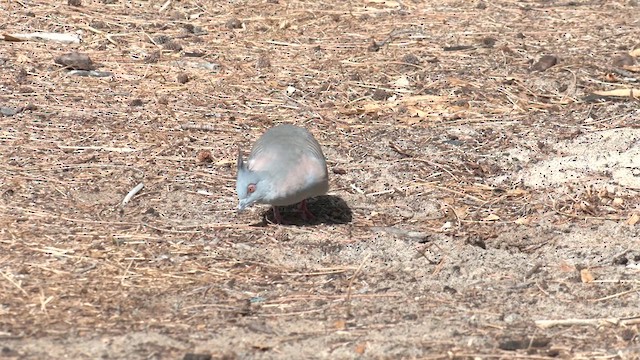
481	183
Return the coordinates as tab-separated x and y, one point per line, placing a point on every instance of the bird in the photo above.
286	166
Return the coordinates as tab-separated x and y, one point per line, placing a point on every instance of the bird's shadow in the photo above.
327	209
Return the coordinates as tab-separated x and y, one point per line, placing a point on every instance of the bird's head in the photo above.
251	186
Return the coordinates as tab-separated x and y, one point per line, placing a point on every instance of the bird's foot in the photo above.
306	213
277	217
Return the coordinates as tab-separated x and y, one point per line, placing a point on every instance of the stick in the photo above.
545	324
131	193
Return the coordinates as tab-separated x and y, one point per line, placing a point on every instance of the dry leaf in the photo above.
516	192
402	82
635	217
414	111
566	267
461	211
371	107
617	202
635	52
492	217
360	348
340	325
586	276
523	221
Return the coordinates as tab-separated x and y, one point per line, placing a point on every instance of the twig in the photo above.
353	278
14	283
132	193
545	324
615	295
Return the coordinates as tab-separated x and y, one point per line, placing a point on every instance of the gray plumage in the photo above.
286	166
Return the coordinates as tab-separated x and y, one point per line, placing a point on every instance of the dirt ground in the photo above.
485	188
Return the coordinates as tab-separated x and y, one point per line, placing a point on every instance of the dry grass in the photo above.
414	103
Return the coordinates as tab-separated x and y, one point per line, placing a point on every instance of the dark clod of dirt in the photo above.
109	2
374	47
189	27
204	156
524	343
183	78
544	63
380	95
173	46
136	103
620	260
458	47
98	24
623	60
194	54
233	23
21	76
411	59
629	334
479	242
177	15
339	171
8	352
163	100
152	58
263	62
481	5
192	356
75	61
193	29
489	42
74	2
160	39
449	290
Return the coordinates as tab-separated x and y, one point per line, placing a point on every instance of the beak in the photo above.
242	204
240	208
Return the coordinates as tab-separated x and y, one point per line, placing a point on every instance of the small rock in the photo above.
183	78
75	61
136	102
233	23
623	60
173	46
74	2
489	41
263	62
411	59
6	111
544	63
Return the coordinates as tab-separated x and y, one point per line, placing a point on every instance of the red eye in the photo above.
251	188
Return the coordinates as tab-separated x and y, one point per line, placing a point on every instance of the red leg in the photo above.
276	215
306	214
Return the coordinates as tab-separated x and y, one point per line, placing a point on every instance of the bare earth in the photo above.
480	184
